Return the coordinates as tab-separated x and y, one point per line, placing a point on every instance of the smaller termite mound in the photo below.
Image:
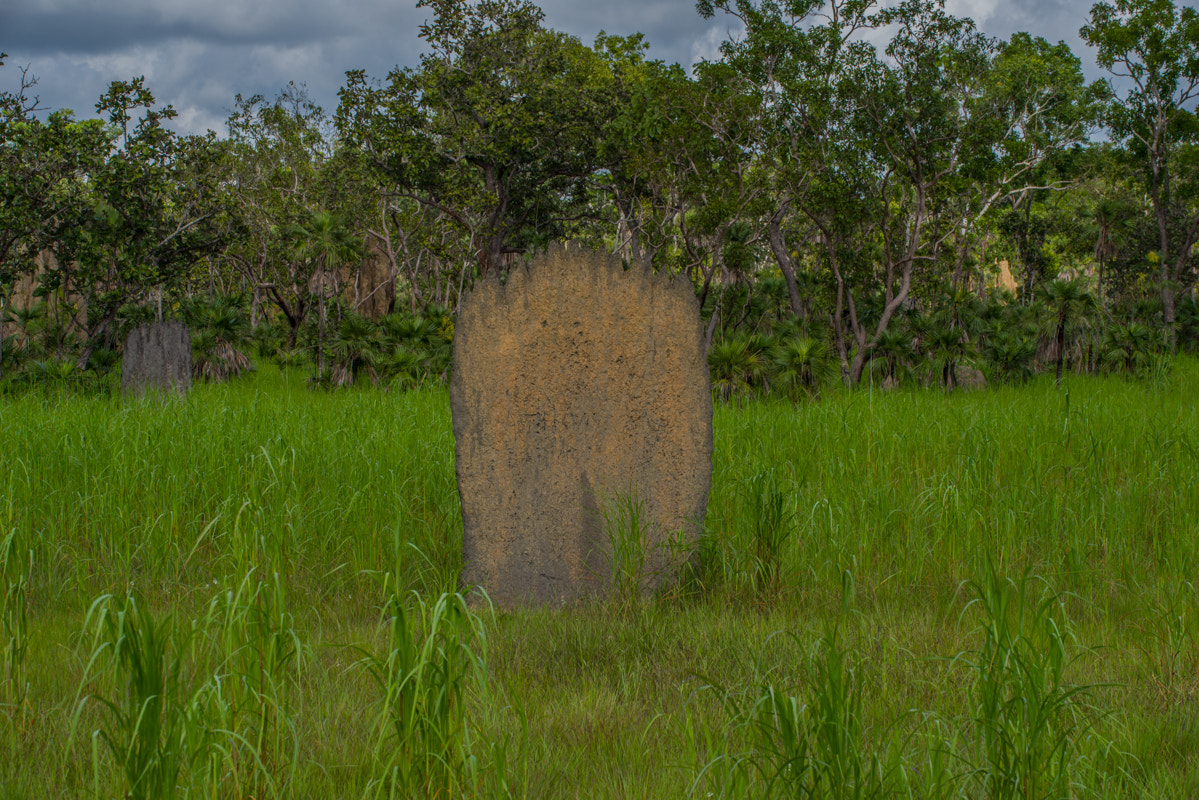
157	358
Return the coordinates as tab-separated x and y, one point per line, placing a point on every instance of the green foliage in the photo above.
773	524
219	329
626	522
436	655
16	565
450	134
232	508
1188	324
802	365
814	744
893	354
1068	307
145	727
248	698
946	347
1171	652
1032	721
737	366
1011	356
1153	48
1129	348
12	354
882	157
881	176
353	349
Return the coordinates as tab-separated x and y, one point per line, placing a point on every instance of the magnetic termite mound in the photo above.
578	386
157	358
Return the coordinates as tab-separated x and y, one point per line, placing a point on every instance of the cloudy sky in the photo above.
198	54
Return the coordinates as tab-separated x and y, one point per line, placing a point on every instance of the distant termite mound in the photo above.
579	389
157	358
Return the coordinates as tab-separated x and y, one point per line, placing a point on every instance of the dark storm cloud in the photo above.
96	31
198	54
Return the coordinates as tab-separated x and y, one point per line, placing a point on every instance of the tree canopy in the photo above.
863	176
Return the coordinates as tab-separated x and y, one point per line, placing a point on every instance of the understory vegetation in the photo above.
253	591
856	190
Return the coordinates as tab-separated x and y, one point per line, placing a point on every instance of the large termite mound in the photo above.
582	414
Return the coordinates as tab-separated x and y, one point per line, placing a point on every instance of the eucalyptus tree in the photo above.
710	157
635	180
887	160
1031	105
148	213
798	55
277	172
497	128
959	122
679	162
1152	49
905	137
44	165
26	178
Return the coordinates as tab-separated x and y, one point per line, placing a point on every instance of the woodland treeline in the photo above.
841	208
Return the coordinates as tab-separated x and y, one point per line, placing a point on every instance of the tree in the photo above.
647	127
219	327
1153	48
920	123
802	364
1110	215
1032	106
800	57
324	240
278	174
145	216
43	164
890	161
497	128
1068	303
736	364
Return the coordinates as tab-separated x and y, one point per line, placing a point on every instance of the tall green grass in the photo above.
15	565
1093	483
148	495
857	626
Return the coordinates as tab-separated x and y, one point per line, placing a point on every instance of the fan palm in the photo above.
354	350
404	366
891	349
11	353
56	370
1129	347
1111	217
29	320
961	309
324	240
220	329
803	364
947	346
1012	355
1188	323
407	330
1068	304
735	367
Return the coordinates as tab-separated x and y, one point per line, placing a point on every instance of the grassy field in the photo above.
250	593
